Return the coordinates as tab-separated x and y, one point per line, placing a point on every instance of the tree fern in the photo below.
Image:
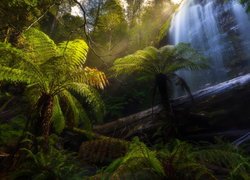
161	65
167	59
50	71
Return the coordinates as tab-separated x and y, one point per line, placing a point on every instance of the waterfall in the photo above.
218	30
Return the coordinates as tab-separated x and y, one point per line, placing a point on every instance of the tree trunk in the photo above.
45	105
161	84
217	108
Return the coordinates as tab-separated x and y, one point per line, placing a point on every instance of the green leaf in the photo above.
58	116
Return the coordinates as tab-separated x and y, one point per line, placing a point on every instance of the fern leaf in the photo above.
138	158
79	115
10	56
16	75
164	60
74	52
58	116
39	47
90	76
91	96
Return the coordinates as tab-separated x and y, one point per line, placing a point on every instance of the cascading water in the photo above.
218	30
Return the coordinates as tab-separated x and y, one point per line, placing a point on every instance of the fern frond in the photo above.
91	96
191	169
224	158
10	56
95	78
164	60
138	159
16	75
58	116
39	47
79	114
187	57
182	63
74	52
90	76
141	60
180	164
125	66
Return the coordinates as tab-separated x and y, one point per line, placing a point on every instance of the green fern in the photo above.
52	72
53	164
138	161
38	46
58	116
175	160
167	59
179	163
161	65
11	131
185	161
92	98
227	156
74	52
76	111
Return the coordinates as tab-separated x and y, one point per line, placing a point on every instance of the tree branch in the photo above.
38	19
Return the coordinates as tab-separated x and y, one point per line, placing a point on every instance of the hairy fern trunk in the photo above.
161	84
46	111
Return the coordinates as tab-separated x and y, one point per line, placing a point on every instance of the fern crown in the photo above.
56	70
166	59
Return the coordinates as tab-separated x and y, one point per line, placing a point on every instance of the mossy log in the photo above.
222	106
102	151
98	149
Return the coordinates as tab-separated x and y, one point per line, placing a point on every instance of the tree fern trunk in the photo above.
161	84
46	110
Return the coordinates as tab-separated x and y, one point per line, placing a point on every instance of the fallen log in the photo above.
225	105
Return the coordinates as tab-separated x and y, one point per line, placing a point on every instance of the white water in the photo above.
200	22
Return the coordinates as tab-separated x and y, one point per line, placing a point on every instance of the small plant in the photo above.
179	160
182	160
11	131
138	163
51	164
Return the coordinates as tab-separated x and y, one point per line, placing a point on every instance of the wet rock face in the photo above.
235	59
220	31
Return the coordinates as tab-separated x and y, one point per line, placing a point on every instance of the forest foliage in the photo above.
59	72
